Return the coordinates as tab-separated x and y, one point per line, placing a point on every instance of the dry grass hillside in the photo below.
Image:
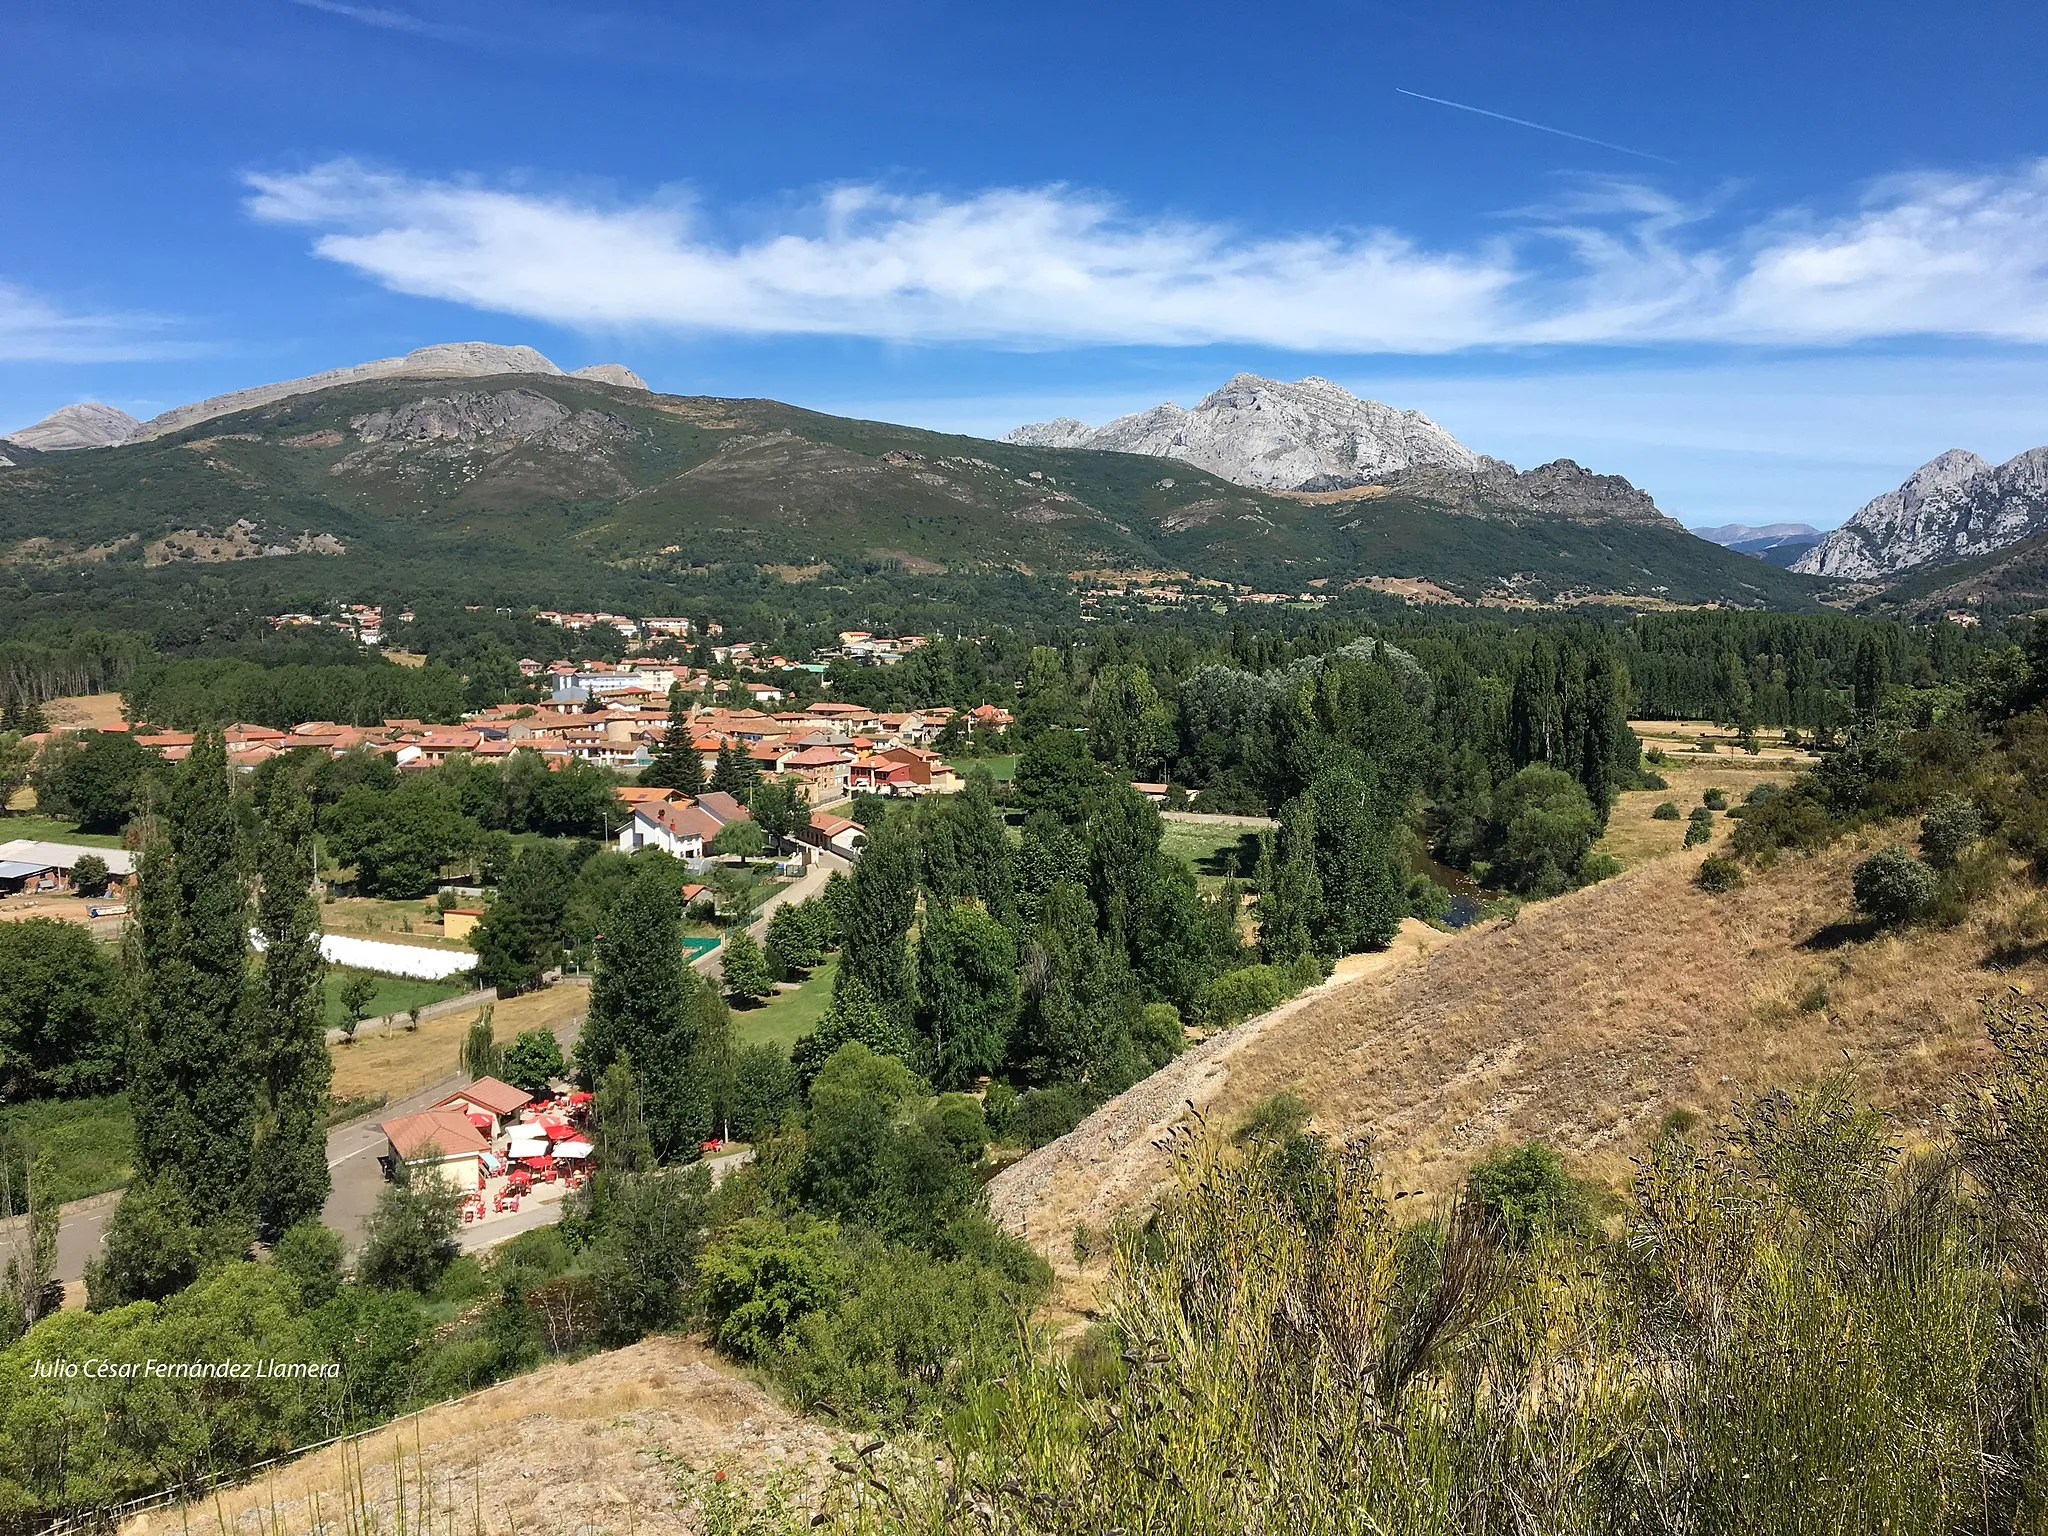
602	1444
1584	1023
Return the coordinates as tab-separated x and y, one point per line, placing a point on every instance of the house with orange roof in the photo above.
823	769
441	1141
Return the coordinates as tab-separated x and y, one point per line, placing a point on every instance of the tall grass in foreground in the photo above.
1801	1329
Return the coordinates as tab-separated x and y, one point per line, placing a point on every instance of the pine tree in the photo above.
678	765
193	1086
292	1181
737	774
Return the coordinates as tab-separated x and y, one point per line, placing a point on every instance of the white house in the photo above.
681	831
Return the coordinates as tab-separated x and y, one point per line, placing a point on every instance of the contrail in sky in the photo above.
1523	122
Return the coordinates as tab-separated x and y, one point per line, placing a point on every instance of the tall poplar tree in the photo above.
192	1081
291	1178
647	1004
875	907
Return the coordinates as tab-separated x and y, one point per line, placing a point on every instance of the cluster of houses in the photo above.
834	748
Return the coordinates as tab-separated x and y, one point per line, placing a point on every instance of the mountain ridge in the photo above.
1312	434
1955	507
535	485
90	425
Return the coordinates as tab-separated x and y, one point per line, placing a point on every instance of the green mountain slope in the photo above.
532	488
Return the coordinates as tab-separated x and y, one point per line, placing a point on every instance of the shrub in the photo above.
761	1276
1046	1114
1718	874
1275	1117
1699	827
1715	799
1951	824
1668	811
1236	995
999	1108
1597	866
1159	1035
1525	1190
1761	793
1893	887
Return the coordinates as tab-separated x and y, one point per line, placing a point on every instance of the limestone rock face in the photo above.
445	360
502	420
1258	432
85	425
1953	507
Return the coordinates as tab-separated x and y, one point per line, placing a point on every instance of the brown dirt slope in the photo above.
587	1446
1584	1023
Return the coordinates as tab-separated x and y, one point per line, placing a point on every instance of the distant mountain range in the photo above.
1311	435
1777	543
432	471
90	425
1954	507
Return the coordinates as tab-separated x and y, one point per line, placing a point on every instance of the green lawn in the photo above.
1212	850
788	1015
49	829
91	1141
1002	769
394	994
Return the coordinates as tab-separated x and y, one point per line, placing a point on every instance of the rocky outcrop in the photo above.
1954	507
1560	491
447	360
503	420
1311	434
611	373
87	424
240	540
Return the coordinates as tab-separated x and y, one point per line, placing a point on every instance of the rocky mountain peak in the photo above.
87	424
1271	435
1956	506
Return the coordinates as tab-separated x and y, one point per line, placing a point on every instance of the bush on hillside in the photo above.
1715	799
1525	1190
1668	811
1893	887
1951	824
1718	874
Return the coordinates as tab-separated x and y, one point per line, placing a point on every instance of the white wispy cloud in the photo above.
1052	266
382	17
33	329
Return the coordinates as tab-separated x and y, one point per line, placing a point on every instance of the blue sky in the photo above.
1808	252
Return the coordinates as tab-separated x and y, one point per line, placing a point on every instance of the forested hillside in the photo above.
565	491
